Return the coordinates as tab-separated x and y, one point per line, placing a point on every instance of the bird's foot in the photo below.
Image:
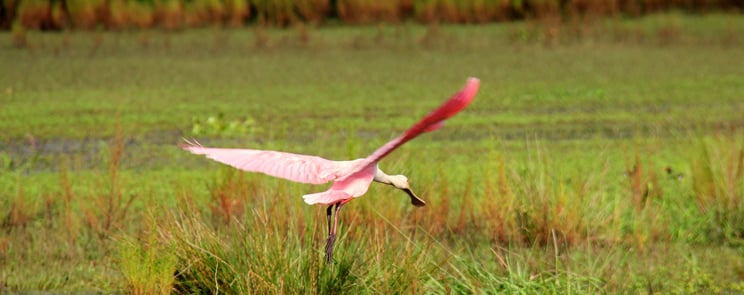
329	247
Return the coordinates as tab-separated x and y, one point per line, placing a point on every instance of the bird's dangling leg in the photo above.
331	231
329	211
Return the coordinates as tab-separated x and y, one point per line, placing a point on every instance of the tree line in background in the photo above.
178	14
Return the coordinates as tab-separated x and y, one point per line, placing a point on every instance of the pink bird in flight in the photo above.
351	179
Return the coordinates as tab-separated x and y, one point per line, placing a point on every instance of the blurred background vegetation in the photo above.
180	14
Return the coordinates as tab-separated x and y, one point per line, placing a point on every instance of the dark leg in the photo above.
328	218
332	233
335	218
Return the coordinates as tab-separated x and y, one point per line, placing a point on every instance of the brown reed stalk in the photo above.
107	211
226	193
69	220
465	216
19	214
438	219
500	203
638	188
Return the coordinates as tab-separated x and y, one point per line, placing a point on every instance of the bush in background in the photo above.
173	14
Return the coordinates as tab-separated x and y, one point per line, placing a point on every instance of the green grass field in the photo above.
595	159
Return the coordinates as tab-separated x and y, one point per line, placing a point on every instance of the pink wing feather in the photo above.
431	122
294	167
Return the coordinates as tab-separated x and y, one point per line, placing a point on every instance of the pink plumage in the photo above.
351	178
294	167
431	122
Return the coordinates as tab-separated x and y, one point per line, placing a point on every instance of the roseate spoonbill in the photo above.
351	179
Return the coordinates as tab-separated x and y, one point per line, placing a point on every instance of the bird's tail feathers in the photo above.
328	197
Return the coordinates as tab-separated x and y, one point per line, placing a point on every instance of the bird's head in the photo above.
401	182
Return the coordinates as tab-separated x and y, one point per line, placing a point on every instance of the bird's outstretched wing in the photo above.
431	122
294	167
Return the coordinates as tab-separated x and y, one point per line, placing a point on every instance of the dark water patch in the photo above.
160	149
570	131
86	153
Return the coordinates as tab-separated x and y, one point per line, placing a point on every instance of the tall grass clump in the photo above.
279	247
263	256
643	220
108	209
19	212
504	272
539	203
236	259
643	182
70	220
148	265
228	195
718	186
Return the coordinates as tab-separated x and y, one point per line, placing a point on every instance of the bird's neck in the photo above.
381	177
